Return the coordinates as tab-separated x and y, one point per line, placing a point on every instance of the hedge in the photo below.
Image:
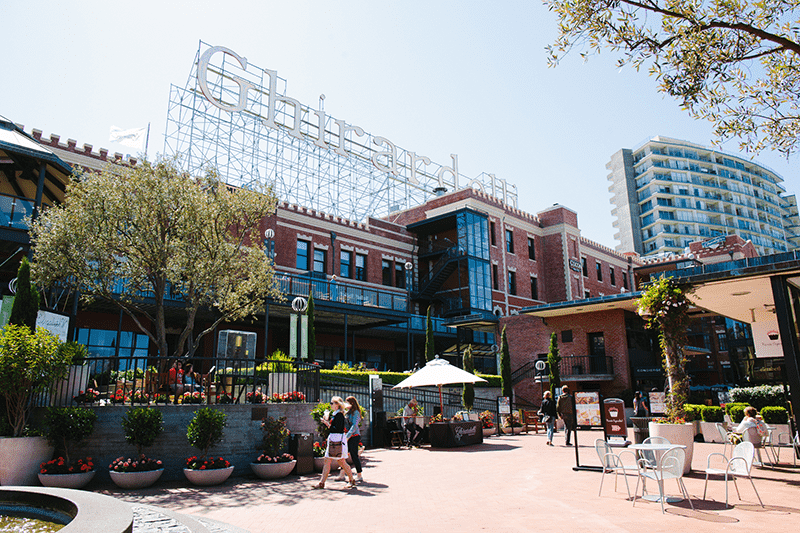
393	378
712	413
736	412
691	412
731	405
775	415
759	397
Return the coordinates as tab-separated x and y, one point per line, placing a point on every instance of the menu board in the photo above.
587	408
658	403
504	405
615	418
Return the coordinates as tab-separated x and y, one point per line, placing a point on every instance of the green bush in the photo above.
317	413
691	412
712	413
142	425
275	434
205	429
68	425
736	413
76	352
775	415
731	405
759	397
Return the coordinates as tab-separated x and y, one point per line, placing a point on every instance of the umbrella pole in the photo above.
441	403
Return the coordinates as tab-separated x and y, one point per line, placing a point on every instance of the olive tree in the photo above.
139	236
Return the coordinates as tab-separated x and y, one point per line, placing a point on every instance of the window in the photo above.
584	267
386	269
599	268
624	280
361	267
566	335
399	276
512	282
611	277
534	288
586	294
346	264
320	260
491	233
495	278
509	241
302	255
531	248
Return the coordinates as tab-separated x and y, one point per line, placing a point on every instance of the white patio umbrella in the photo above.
437	373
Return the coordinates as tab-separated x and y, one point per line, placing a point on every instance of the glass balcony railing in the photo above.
14	210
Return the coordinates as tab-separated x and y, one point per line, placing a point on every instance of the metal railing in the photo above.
344	293
148	380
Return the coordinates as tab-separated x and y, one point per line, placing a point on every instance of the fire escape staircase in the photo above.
528	370
441	270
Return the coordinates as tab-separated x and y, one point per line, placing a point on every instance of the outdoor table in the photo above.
451	434
654	447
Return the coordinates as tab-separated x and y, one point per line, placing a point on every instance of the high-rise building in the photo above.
668	193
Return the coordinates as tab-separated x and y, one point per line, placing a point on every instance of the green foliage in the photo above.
663	306
142	425
275	434
26	300
736	412
775	415
712	413
759	397
553	359
75	351
430	347
278	362
206	429
468	394
317	413
29	363
732	63
68	425
691	412
505	366
312	338
163	233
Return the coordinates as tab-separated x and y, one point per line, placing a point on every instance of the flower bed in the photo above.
60	466
209	463
287	397
138	464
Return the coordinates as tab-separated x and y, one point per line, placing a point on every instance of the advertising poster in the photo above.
587	408
504	405
615	418
658	403
55	323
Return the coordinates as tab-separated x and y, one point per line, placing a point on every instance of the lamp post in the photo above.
409	267
269	249
298	329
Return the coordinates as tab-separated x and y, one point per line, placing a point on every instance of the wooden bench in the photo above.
530	420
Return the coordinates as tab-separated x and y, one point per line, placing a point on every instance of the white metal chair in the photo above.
612	464
725	436
785	440
652	456
758	441
669	466
738	465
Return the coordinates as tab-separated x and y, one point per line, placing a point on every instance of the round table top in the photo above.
655	446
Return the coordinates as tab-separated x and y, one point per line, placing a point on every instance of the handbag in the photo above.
546	419
335	449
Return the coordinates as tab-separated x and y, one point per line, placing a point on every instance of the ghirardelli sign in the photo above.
465	431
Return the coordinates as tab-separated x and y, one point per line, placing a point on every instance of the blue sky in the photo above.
466	77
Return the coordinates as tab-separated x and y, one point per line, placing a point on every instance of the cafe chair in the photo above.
652	456
612	464
752	436
669	466
738	465
785	440
397	434
725	436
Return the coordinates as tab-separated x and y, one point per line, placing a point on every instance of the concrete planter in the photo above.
135	480
710	431
272	470
488	432
206	478
508	431
20	459
67	481
682	434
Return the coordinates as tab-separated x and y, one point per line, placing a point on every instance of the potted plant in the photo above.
29	363
140	397
319	456
256	396
78	373
90	396
162	398
778	418
271	465
204	431
663	306
487	423
224	398
141	425
512	423
195	397
66	426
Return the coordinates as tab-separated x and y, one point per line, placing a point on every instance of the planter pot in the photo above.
488	432
272	470
516	431
319	463
205	478
67	481
20	459
677	434
135	480
360	454
710	431
66	389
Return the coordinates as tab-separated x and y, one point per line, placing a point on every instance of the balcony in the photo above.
571	368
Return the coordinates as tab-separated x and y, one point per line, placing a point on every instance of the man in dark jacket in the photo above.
566	411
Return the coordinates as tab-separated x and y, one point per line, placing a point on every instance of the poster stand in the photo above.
578	466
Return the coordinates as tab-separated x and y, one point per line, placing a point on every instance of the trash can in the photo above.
640	428
301	446
378	430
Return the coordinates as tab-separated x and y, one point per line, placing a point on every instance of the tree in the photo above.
26	300
505	366
663	305
468	394
140	236
312	339
734	63
553	359
430	347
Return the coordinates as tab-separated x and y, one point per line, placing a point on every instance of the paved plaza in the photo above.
508	484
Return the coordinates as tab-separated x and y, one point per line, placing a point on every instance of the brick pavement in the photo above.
510	483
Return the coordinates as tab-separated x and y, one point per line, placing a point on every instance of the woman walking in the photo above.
548	413
640	408
336	443
353	435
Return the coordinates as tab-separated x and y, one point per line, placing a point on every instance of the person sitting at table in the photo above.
192	380
175	378
750	421
409	418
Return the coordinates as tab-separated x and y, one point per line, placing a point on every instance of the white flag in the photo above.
134	138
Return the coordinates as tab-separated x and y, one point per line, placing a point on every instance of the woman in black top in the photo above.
548	414
639	405
336	445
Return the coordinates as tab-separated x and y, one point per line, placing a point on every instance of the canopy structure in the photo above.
437	373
